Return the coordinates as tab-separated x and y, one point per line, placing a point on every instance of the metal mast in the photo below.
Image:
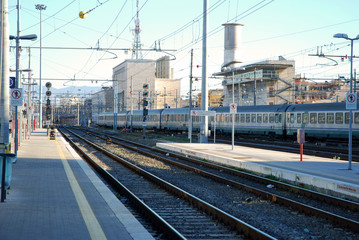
136	52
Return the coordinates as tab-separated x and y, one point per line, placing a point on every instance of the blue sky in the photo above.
292	29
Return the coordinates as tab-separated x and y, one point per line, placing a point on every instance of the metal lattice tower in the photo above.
136	51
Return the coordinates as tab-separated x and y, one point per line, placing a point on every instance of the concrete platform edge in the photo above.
134	228
320	184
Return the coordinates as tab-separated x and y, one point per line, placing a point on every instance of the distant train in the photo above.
321	120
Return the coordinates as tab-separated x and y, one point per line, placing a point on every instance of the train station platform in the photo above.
55	195
322	174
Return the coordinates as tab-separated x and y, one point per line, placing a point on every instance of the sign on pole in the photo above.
12	82
233	108
351	101
201	113
16	97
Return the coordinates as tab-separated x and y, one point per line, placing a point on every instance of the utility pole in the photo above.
17	74
190	100
204	101
4	81
255	88
131	99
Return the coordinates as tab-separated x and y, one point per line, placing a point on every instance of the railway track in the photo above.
178	214
341	216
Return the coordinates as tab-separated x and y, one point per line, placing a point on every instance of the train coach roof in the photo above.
317	107
150	112
258	108
181	110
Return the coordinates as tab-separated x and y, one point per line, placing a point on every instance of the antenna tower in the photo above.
137	53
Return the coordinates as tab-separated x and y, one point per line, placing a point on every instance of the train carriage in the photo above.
327	120
153	119
105	119
262	119
175	119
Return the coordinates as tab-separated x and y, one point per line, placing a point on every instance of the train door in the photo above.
284	122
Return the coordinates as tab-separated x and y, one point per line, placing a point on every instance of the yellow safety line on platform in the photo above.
93	226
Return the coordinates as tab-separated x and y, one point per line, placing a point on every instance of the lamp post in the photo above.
235	111
40	7
31	37
345	36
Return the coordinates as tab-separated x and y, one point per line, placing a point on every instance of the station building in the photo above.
262	83
101	101
129	77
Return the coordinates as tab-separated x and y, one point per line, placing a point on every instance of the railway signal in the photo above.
48	85
145	96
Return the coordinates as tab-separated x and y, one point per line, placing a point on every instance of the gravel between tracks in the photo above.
274	219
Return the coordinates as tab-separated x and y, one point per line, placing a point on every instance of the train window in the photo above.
218	117
222	117
248	118
313	118
292	118
271	118
259	118
253	118
356	117
226	118
242	117
186	118
278	118
299	118
237	118
265	118
321	118
330	118
346	118
305	117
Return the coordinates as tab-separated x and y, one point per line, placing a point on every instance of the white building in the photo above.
129	77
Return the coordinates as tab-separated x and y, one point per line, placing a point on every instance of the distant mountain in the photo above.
80	90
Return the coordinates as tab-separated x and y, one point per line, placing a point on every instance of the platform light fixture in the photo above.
40	7
345	36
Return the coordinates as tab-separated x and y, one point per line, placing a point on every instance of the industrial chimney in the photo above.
232	45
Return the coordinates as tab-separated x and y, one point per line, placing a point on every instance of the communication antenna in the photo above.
136	52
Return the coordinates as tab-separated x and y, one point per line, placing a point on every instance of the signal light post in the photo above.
48	106
145	96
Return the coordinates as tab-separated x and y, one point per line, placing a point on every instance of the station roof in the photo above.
278	64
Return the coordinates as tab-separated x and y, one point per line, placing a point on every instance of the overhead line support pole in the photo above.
204	97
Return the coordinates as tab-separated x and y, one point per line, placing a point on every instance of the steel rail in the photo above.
237	224
284	186
335	219
137	203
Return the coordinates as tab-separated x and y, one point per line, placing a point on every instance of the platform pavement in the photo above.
55	195
323	174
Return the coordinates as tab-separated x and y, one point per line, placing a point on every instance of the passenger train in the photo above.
321	120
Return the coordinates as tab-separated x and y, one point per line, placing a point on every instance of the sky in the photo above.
292	29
